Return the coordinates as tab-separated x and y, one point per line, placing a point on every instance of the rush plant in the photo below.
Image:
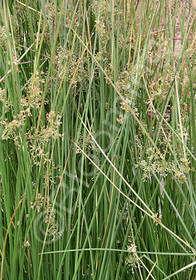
97	140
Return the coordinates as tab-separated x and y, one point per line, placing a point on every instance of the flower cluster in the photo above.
3	38
161	163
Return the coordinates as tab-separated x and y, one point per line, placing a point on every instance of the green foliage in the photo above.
97	140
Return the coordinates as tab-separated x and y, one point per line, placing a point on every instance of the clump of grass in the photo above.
97	140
